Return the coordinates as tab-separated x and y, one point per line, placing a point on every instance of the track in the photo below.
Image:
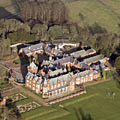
18	75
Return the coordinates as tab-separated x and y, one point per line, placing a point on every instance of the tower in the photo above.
45	89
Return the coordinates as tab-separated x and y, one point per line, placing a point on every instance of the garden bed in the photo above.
27	107
17	97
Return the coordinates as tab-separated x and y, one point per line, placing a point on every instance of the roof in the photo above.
64	60
90	50
56	72
30	75
33	48
81	53
32	65
82	74
93	59
19	76
62	78
15	45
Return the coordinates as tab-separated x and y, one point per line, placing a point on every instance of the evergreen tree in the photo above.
104	73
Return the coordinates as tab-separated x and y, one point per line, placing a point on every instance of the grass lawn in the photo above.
103	12
95	102
3	82
2	71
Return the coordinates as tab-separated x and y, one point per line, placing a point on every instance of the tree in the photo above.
55	32
9	112
117	63
4	47
40	30
19	36
47	12
104	73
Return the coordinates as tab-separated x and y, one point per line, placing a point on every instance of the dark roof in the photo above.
74	49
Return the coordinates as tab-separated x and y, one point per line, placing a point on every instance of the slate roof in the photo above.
56	72
30	75
32	65
62	78
81	53
34	48
64	60
93	59
82	74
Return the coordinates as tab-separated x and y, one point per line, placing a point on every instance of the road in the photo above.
18	75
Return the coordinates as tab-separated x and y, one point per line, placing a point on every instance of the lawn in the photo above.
96	103
2	72
3	82
103	12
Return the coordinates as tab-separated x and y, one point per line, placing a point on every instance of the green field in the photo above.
96	103
3	82
104	12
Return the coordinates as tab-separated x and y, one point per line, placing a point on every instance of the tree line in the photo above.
47	12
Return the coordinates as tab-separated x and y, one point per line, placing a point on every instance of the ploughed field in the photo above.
98	102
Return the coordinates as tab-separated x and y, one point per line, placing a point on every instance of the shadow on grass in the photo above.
81	115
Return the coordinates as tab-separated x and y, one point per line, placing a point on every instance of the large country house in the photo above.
64	70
